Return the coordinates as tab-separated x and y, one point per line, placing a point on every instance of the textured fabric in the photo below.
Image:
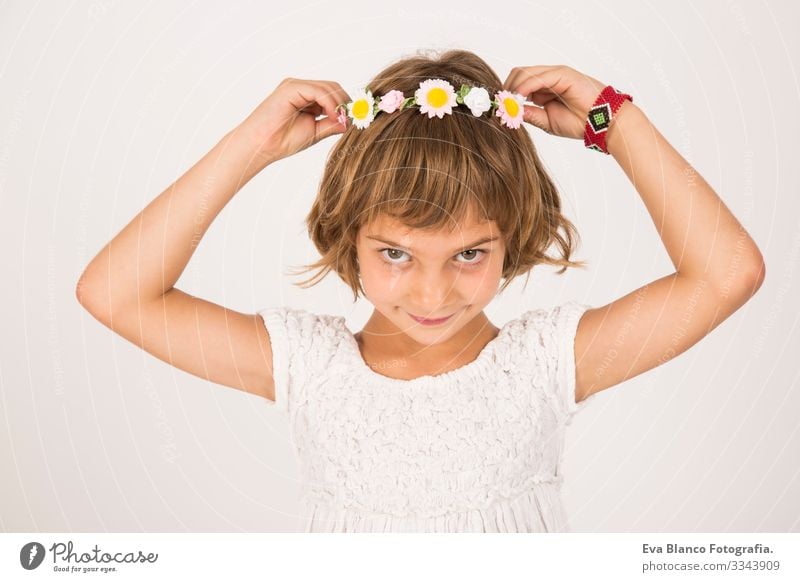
476	449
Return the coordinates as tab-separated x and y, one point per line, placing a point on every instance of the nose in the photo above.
431	291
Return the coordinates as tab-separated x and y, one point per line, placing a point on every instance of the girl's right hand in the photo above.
285	122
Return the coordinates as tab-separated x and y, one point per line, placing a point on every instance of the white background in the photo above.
103	104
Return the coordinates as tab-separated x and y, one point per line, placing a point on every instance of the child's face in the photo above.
430	274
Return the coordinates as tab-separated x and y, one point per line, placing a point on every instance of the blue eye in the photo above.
476	257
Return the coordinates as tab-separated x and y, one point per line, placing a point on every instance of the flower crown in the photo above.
434	97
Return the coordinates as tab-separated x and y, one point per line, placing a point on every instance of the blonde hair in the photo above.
428	172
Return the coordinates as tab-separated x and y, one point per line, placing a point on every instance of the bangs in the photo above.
432	173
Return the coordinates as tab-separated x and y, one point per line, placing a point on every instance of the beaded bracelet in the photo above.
600	117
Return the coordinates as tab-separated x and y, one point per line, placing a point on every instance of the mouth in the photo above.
429	321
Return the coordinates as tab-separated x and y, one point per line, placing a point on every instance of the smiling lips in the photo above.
425	321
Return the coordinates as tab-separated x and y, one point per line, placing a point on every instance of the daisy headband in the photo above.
435	97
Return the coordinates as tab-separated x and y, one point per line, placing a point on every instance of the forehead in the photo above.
468	229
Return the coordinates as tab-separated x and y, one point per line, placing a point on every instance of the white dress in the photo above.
476	449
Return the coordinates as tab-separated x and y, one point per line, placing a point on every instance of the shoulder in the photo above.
298	321
545	338
302	332
548	338
547	325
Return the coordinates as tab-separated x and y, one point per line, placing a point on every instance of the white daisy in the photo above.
436	97
360	109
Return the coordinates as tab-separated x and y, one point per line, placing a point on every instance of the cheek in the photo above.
378	280
479	287
482	284
490	271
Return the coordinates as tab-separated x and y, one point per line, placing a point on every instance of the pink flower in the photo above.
342	117
510	107
436	97
391	101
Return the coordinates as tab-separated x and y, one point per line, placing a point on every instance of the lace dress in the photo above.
476	449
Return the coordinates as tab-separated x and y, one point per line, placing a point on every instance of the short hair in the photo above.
429	172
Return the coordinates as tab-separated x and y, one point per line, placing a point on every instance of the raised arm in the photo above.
130	285
718	267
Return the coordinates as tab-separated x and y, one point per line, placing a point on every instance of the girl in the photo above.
431	418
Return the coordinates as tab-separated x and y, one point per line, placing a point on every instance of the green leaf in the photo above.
408	102
462	93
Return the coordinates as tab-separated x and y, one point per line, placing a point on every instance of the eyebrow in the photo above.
469	246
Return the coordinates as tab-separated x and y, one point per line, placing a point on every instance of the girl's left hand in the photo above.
563	94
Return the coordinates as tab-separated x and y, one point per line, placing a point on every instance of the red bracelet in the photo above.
600	117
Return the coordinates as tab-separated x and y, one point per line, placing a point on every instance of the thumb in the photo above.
536	116
327	127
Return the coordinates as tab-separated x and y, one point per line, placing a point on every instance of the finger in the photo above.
309	94
555	80
327	127
339	93
314	108
335	96
518	73
535	80
542	97
536	116
328	100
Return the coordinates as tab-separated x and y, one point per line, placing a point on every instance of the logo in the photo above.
64	559
31	555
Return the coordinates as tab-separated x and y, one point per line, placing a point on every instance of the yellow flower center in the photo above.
360	109
511	105
437	97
